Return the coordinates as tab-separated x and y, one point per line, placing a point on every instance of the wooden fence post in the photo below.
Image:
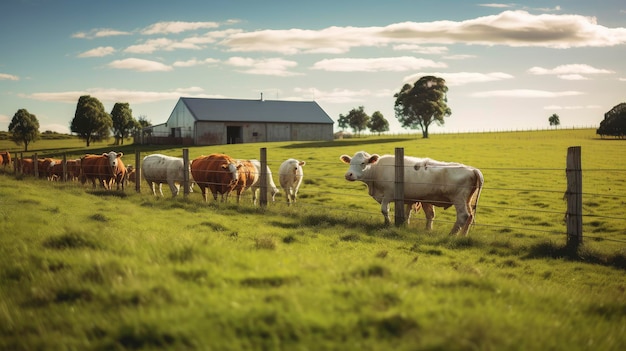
185	172
64	167
263	178
399	187
137	171
574	196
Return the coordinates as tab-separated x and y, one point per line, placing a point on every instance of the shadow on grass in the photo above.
580	254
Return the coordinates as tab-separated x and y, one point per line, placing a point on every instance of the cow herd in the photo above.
427	183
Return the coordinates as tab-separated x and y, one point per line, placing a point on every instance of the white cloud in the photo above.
578	69
99	33
525	93
6	76
118	95
420	49
176	27
272	66
509	28
98	52
194	62
140	65
575	107
338	96
152	45
572	77
459	57
461	78
495	5
394	64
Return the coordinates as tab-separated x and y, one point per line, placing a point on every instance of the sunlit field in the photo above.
93	269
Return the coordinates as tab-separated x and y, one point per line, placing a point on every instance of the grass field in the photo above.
83	269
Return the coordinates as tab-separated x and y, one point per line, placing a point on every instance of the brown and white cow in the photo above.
247	174
5	158
290	176
106	168
217	172
430	182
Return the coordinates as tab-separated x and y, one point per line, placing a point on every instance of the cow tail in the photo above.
478	186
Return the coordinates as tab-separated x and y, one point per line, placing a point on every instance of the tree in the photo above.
343	122
91	122
614	123
24	128
378	123
554	120
425	102
357	119
123	122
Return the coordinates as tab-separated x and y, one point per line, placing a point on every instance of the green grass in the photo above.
80	269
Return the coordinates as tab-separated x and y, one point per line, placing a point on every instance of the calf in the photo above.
290	176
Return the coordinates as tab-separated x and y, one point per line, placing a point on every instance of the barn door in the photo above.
233	135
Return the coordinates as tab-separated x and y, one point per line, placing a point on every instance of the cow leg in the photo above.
173	188
468	222
429	212
384	209
462	216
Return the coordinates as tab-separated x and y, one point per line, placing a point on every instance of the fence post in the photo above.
574	196
263	178
185	172
399	187
137	171
64	167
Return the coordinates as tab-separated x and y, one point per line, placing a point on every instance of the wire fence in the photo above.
331	188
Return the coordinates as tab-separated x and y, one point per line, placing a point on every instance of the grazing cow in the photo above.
430	182
106	168
46	166
158	169
55	170
271	186
5	158
217	172
290	176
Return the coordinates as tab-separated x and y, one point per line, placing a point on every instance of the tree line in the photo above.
91	123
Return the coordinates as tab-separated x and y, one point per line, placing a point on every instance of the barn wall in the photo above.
210	133
181	121
214	133
307	132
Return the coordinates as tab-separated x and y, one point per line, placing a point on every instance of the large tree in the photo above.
24	128
614	123
123	122
91	122
425	102
554	120
378	123
357	119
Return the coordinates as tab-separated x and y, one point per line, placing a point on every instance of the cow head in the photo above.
358	163
233	169
113	159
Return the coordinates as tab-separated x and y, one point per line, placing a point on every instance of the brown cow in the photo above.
218	172
105	168
5	157
248	175
26	166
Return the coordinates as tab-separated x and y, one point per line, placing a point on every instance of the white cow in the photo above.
429	182
159	169
256	186
290	176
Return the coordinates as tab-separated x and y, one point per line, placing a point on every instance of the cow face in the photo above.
233	169
358	164
113	159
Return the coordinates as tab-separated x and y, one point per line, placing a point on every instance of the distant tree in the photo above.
357	119
614	123
554	120
123	122
24	128
343	122
143	122
91	122
425	102
378	123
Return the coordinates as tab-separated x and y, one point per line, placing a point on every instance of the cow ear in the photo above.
302	163
105	154
120	154
345	159
373	159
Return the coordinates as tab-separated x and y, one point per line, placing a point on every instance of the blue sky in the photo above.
507	65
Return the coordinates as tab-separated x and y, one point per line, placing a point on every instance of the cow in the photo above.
270	185
248	174
55	169
5	158
26	166
290	176
217	172
158	169
430	182
73	169
106	168
45	168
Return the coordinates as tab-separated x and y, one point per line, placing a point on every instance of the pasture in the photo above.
84	269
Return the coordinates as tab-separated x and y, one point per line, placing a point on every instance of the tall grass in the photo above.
80	269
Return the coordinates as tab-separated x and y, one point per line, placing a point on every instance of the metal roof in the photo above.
273	111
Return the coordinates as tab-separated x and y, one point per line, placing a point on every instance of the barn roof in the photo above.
274	111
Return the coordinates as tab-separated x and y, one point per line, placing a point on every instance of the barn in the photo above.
201	121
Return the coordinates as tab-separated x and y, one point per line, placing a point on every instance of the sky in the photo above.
508	65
